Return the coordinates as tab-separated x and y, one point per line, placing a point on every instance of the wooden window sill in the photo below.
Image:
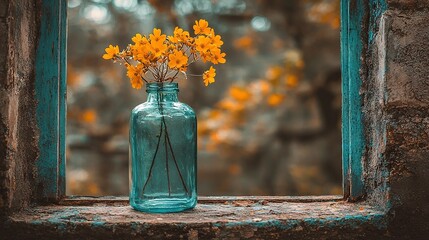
214	217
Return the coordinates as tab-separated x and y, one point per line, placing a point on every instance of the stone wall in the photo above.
18	135
397	116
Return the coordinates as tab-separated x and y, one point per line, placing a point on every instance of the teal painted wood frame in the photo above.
358	23
51	94
50	91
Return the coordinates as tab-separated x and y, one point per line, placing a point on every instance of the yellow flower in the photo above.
157	36
215	39
138	39
208	76
202	44
158	51
134	73
111	51
206	56
141	50
177	59
157	48
201	27
217	56
143	56
179	35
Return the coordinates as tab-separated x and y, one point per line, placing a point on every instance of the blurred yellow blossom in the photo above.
275	99
291	81
89	116
274	72
244	42
239	93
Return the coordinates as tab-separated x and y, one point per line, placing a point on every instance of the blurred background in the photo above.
270	125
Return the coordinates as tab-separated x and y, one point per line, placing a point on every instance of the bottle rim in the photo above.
157	87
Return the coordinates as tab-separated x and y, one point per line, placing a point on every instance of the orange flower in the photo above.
134	73
141	50
201	27
202	44
158	48
206	56
215	39
138	39
208	76
177	60
179	35
143	56
111	51
157	37
217	56
159	51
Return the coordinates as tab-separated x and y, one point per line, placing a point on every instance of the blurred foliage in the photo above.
269	126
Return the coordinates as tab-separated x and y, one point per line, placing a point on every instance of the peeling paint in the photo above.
274	220
50	89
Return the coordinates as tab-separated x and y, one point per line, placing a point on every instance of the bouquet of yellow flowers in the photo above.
160	58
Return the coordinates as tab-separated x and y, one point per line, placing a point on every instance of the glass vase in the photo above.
163	152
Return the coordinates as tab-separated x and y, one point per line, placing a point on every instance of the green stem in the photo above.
166	140
175	163
153	160
166	164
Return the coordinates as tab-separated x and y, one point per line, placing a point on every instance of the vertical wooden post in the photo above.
358	18
50	85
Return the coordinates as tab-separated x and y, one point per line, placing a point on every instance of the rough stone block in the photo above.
407	49
407	154
408	4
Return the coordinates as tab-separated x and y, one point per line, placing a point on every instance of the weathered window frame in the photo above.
359	19
51	96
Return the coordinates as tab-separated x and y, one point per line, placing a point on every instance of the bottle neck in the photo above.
162	92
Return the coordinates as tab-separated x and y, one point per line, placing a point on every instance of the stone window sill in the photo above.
214	217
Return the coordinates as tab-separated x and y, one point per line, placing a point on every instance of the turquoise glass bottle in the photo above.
163	152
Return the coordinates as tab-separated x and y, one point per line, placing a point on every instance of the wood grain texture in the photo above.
50	95
345	96
358	22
